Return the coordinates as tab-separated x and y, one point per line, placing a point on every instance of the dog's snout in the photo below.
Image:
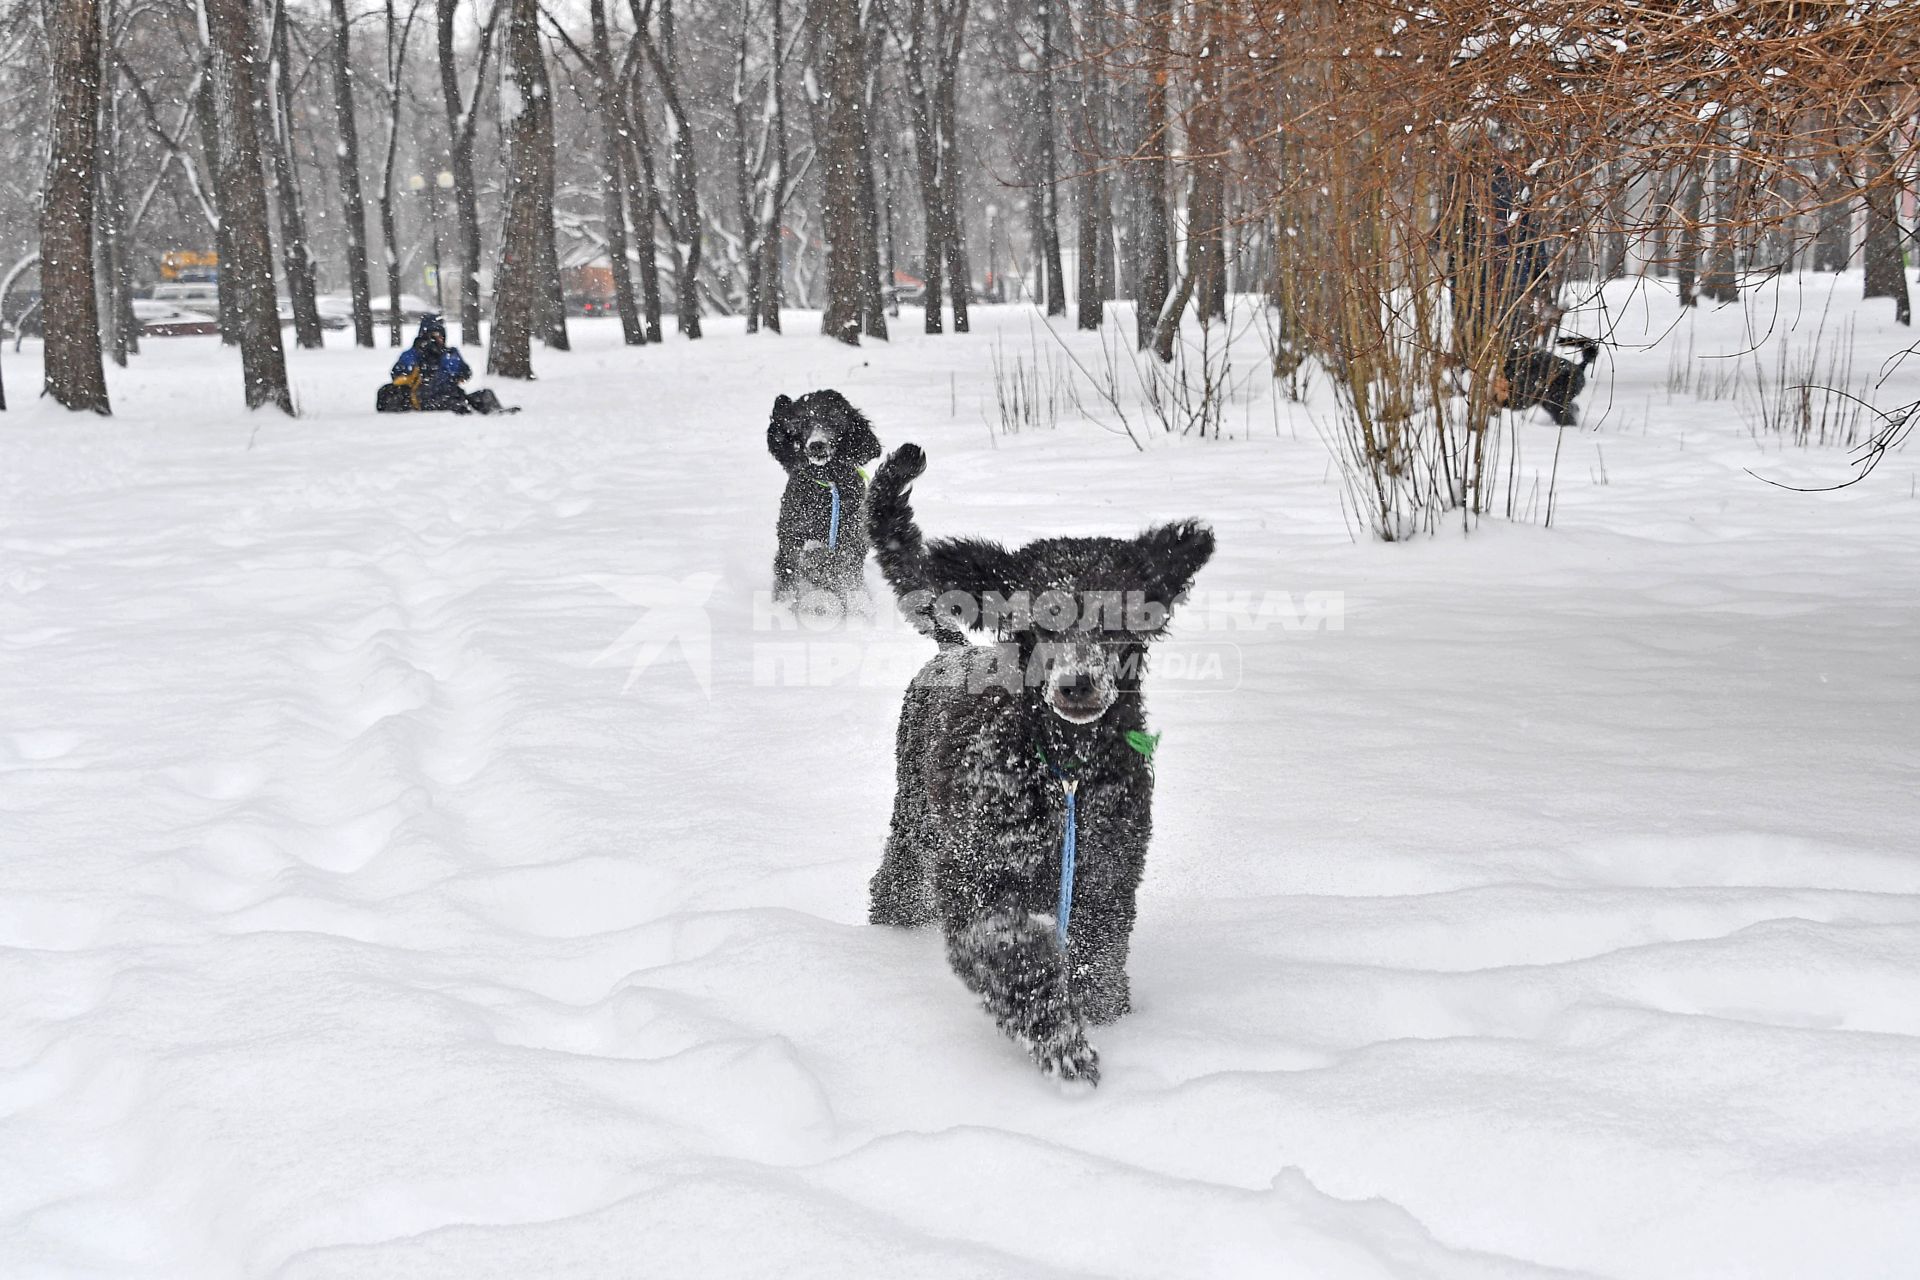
1075	684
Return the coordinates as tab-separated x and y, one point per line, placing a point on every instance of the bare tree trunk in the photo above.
773	274
642	195
114	273
947	126
1613	240
397	39
243	204
461	119
278	115
352	204
516	283
1152	281
207	122
1833	240
1719	281
1885	266
1689	261
1207	228
745	172
684	226
614	197
920	65
1048	194
842	84
1095	218
1205	273
74	374
872	299
550	303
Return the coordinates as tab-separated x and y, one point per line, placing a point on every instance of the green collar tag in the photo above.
1143	742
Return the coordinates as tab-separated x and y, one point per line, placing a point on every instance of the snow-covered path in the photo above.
366	911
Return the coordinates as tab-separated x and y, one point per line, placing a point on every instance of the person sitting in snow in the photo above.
427	376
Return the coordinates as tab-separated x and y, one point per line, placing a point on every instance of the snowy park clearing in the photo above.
413	865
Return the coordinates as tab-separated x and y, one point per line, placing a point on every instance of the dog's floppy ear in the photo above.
859	443
782	442
1170	556
973	567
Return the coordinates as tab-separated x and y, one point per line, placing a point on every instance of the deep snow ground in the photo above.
365	911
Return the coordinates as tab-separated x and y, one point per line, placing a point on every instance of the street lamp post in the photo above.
418	184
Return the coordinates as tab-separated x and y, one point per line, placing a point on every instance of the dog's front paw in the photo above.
905	464
1066	1055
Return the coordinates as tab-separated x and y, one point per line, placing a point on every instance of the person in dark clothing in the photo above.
427	377
1501	269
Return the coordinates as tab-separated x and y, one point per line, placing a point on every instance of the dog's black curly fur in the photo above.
821	440
983	756
1530	376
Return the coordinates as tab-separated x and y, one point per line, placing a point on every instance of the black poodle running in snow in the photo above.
821	440
1025	781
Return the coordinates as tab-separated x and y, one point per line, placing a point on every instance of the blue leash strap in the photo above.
1070	788
1072	791
833	521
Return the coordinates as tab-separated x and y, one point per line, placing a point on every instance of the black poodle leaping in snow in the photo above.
1024	774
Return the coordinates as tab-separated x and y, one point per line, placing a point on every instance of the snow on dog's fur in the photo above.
821	440
991	736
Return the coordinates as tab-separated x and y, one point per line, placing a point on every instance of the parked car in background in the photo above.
336	309
187	295
162	319
591	304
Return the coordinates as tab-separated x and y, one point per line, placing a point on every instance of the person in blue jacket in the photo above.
427	376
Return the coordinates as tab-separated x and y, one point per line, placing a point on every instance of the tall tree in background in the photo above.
277	113
399	34
636	173
243	204
206	112
1833	236
930	38
113	266
353	205
74	374
873	298
683	225
523	101
747	160
947	131
1720	270
461	120
612	149
1203	282
1881	250
1095	216
549	300
839	71
1692	198
1046	193
1152	278
773	265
